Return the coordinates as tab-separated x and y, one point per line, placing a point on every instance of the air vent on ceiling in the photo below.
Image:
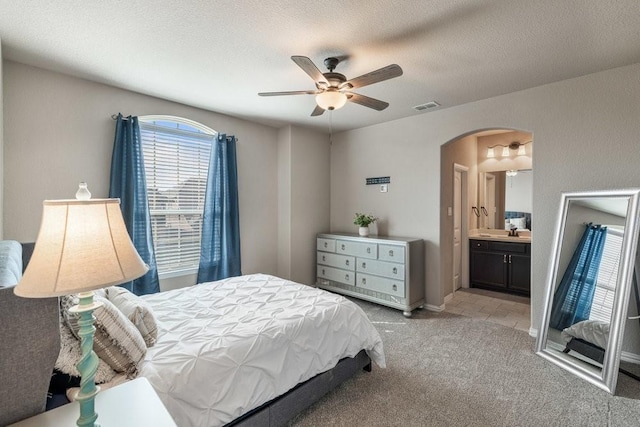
426	106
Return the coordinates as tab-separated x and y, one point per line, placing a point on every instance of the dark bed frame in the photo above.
282	409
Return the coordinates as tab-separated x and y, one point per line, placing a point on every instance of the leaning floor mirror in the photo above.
589	284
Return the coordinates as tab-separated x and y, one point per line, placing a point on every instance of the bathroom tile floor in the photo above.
509	310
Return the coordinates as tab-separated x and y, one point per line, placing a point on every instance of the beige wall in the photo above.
59	131
303	200
577	147
310	200
284	202
1	144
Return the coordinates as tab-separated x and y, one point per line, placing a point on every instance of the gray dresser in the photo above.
384	270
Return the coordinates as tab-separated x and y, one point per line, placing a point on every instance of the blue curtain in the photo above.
220	253
129	185
573	298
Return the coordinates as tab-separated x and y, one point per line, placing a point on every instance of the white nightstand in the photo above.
134	403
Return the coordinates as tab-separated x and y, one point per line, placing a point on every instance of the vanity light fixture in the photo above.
515	145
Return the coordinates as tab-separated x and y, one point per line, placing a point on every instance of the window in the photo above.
176	161
602	305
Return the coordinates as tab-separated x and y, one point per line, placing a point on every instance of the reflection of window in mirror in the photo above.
602	304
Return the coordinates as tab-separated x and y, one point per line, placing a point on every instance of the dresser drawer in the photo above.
327	245
334	260
391	253
337	275
381	268
380	284
364	250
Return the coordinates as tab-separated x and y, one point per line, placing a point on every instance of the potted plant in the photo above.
363	221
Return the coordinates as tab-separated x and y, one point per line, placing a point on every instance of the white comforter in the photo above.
227	347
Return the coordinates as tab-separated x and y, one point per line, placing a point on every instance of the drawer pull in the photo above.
346	262
394	287
504	258
364	265
324	258
390	253
368	250
509	259
346	277
395	270
342	247
478	245
323	272
325	244
364	281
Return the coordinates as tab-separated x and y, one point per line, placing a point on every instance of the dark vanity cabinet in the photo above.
500	266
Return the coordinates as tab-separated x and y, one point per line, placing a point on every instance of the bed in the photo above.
226	348
249	350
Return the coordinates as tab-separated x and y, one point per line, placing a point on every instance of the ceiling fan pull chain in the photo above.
330	127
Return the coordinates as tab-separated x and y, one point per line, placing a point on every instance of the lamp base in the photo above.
88	365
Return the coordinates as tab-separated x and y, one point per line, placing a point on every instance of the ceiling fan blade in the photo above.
385	73
318	111
294	92
310	68
376	104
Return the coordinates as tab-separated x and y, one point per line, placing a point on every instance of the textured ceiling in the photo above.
218	55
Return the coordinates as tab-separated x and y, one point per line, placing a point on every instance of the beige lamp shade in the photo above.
82	245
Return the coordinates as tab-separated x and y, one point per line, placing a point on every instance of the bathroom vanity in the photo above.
500	263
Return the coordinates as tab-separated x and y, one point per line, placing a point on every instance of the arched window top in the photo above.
176	154
177	123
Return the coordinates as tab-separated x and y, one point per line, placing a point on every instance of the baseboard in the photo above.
448	298
625	356
437	308
533	332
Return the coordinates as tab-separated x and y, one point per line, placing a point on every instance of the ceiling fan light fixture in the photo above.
331	100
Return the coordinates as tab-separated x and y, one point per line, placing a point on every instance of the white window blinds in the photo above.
602	305
176	160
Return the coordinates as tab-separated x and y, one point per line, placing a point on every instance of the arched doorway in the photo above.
479	161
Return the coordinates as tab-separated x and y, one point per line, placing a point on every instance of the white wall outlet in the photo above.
384	188
449	211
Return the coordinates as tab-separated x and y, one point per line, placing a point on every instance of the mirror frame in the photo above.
607	377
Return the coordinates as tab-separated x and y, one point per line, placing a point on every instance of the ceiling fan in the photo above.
333	90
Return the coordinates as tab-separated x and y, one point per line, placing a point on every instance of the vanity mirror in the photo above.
505	195
589	283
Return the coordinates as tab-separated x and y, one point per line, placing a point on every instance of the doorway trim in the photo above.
462	212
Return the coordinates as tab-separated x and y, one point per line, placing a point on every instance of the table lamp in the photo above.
82	245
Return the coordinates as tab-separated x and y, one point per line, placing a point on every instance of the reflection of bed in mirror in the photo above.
588	291
517	220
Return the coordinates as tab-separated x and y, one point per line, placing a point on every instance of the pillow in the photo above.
71	353
10	263
116	340
137	310
519	223
595	332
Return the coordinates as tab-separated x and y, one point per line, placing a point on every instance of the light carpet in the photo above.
449	370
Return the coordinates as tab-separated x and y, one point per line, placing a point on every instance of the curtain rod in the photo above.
115	117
